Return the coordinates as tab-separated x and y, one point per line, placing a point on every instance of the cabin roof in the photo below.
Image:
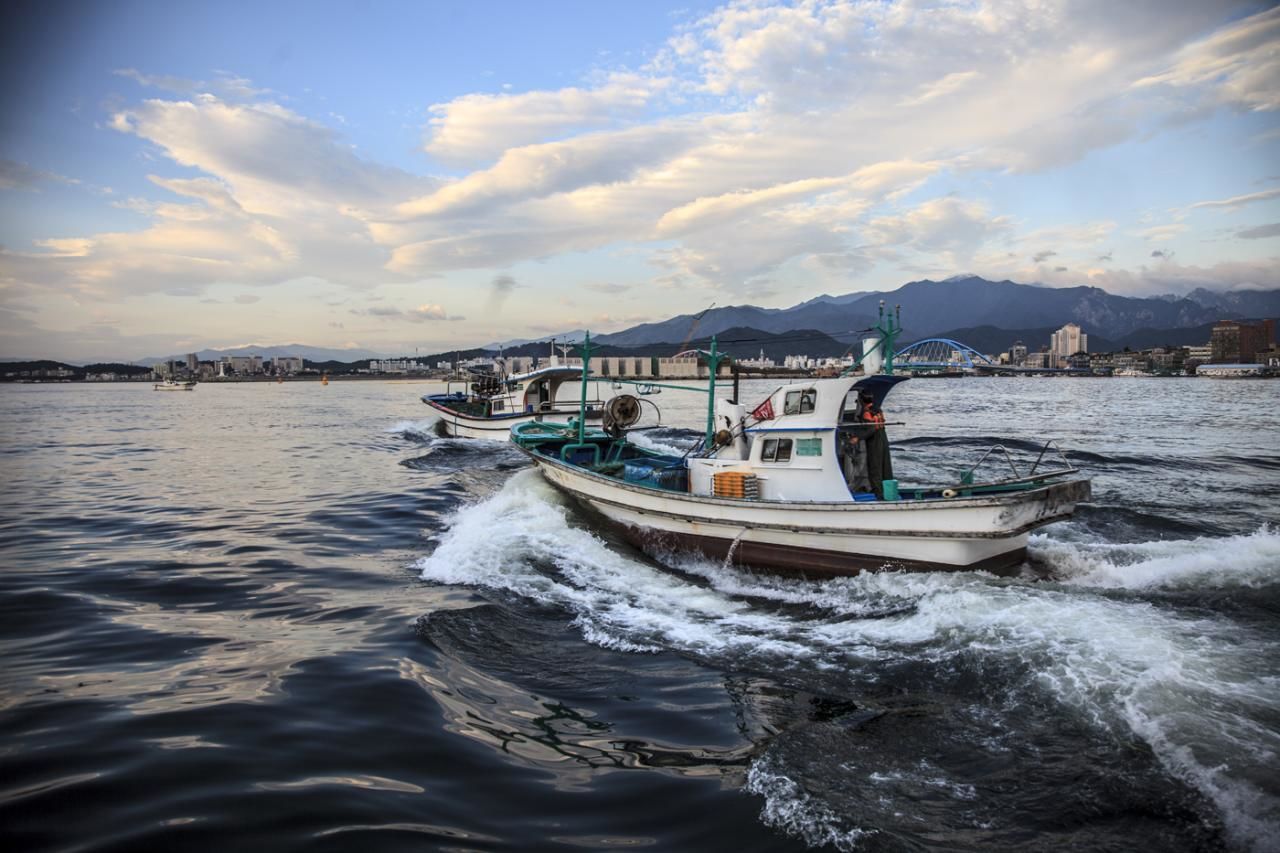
829	405
563	371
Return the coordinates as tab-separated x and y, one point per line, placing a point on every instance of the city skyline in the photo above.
391	177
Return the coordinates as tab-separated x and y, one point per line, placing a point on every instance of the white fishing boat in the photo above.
771	486
175	385
491	404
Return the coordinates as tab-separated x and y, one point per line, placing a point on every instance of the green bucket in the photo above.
890	490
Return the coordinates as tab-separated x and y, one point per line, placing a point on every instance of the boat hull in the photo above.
454	424
825	538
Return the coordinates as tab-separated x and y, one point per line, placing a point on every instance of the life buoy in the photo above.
949	493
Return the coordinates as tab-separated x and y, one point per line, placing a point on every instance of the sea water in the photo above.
291	616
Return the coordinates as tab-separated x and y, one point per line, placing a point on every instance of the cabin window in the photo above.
776	450
808	447
497	406
800	402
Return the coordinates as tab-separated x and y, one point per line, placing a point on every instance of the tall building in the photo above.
242	365
1017	353
1234	342
286	364
1066	342
193	362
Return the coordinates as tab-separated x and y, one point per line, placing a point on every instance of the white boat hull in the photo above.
453	425
826	538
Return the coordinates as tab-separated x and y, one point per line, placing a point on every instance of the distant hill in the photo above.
303	351
575	335
932	308
1239	303
739	341
40	368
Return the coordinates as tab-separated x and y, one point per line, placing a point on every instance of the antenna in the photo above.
697	318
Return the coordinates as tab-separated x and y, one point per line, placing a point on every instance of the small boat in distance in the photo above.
771	485
174	385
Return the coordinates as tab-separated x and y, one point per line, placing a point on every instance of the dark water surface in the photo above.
289	617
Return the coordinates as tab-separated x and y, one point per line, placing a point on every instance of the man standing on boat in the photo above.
879	464
853	460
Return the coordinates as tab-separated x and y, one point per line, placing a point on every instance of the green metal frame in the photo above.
889	327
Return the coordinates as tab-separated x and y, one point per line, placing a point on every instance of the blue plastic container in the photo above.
638	470
863	497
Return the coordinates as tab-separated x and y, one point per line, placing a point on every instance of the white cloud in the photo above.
949	225
20	176
429	313
1238	201
1240	63
761	140
1163	233
479	128
952	82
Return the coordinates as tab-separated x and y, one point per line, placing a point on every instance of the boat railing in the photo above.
1053	442
967	478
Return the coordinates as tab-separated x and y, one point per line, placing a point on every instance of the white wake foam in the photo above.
1196	690
789	808
1251	560
422	430
648	442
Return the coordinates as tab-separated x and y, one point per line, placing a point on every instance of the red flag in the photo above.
764	411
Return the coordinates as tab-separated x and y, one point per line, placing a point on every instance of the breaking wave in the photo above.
1251	560
1199	692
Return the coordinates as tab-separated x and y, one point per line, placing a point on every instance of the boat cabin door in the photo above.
535	396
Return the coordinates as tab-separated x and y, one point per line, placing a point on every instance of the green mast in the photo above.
889	327
713	359
582	403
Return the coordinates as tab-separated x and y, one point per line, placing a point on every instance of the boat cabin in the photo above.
536	391
792	441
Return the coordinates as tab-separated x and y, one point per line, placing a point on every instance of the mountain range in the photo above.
308	353
936	308
987	315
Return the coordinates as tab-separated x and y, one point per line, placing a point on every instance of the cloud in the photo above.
952	82
1163	233
421	314
280	198
247	299
20	176
1239	201
1162	253
940	225
479	128
1239	63
606	287
536	171
1260	232
760	141
224	83
429	313
1041	257
851	192
1171	277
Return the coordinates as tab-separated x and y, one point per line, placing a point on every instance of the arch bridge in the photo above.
934	354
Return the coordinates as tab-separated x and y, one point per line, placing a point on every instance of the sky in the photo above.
427	176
